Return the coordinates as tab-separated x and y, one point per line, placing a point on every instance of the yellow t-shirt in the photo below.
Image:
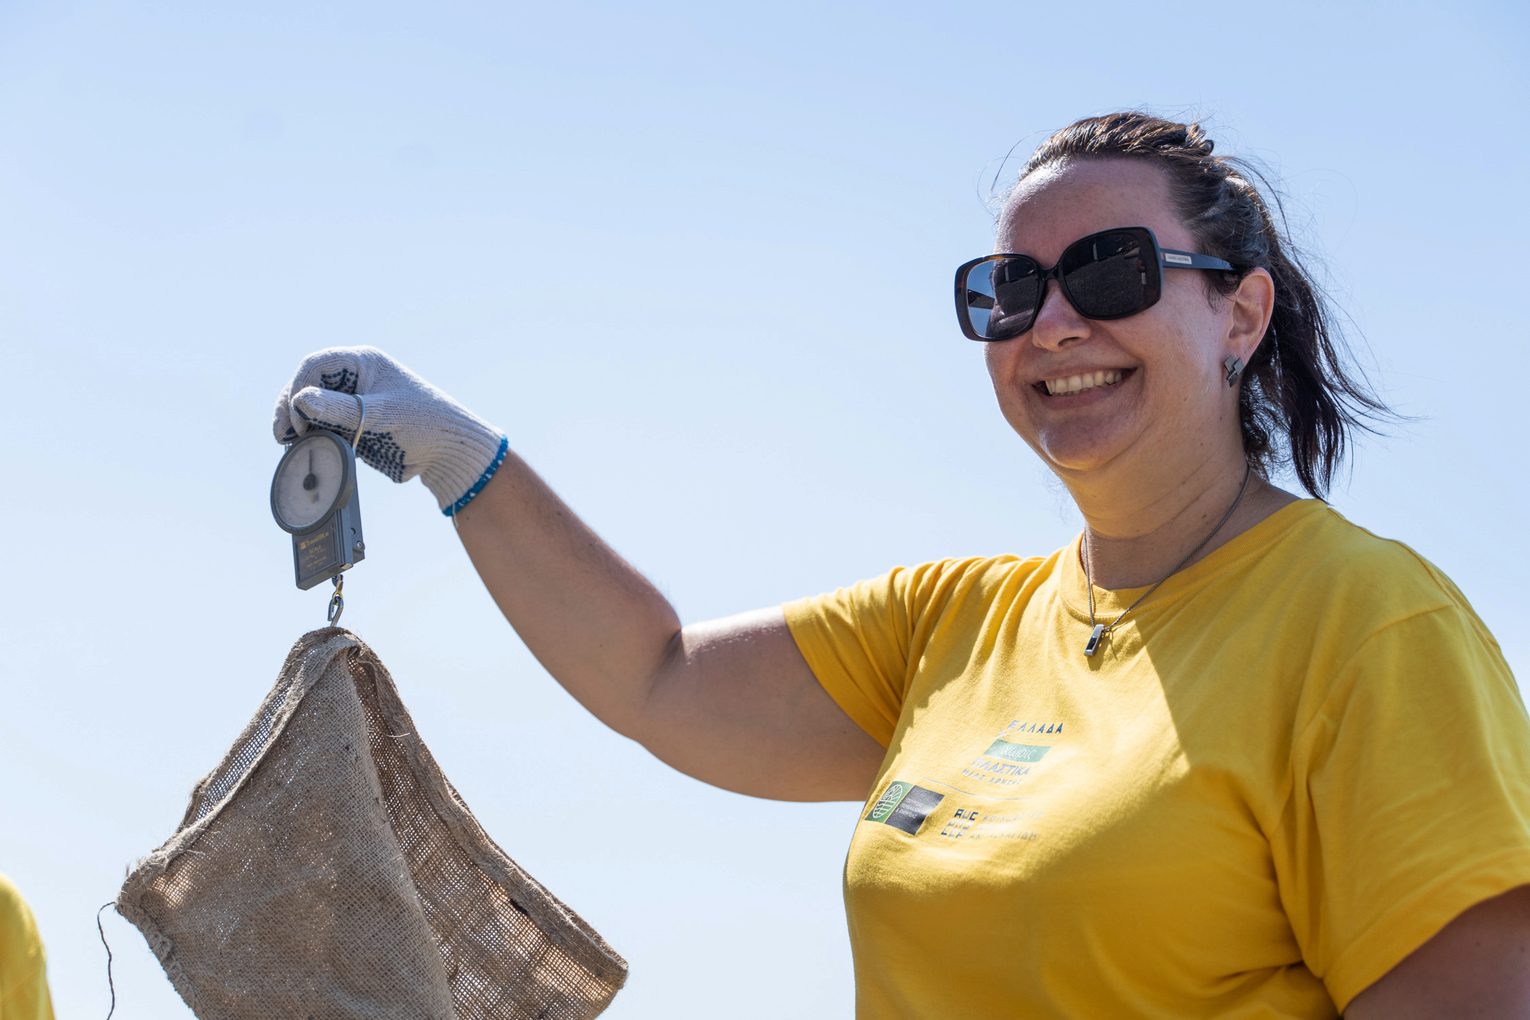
1284	771
23	973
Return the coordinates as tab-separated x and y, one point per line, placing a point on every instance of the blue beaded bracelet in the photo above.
483	479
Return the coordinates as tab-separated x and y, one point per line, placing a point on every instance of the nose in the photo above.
1058	323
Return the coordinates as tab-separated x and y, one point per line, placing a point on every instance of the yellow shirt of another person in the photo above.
1284	771
23	974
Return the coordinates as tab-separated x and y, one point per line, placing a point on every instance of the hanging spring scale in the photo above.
314	499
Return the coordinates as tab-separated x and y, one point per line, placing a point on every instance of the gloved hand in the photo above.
411	427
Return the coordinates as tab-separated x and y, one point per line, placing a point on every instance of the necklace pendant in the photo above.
1093	644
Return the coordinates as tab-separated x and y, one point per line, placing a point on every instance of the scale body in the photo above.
314	499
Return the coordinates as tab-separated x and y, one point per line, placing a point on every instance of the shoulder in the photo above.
1378	632
984	571
970	582
1345	613
944	579
1365	577
909	599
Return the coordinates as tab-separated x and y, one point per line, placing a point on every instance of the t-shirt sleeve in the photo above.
858	641
1410	798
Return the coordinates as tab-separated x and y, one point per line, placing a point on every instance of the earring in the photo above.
1234	366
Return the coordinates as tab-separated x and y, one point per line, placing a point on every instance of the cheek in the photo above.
1184	380
999	360
993	361
1198	328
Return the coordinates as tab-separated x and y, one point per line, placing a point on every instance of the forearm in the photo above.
734	694
595	623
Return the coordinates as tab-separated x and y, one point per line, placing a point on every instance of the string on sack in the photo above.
109	985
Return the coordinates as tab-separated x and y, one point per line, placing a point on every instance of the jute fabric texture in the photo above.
326	869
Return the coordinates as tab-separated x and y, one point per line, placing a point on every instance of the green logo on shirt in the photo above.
890	799
904	806
1016	752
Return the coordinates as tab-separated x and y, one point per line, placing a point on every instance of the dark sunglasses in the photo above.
1108	275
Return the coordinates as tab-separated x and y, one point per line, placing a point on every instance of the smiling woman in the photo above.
1225	753
1215	711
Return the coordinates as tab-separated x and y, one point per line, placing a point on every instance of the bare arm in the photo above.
1476	966
731	702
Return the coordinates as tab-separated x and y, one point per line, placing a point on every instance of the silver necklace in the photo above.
1099	630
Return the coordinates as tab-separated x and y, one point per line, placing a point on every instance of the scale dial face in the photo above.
315	476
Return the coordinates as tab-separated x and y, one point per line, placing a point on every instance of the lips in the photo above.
1068	385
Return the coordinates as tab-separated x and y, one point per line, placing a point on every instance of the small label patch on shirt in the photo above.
904	806
1017	752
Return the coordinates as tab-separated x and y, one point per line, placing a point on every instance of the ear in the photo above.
1252	305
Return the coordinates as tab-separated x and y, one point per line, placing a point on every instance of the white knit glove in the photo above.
411	427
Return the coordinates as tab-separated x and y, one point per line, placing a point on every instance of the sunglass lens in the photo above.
1000	297
1110	275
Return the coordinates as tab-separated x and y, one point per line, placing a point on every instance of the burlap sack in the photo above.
326	869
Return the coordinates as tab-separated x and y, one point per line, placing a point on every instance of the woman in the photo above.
1225	754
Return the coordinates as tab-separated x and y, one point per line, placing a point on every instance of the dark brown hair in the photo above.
1297	401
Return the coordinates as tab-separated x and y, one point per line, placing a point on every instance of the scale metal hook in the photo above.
336	602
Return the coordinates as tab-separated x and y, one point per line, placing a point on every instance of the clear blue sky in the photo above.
695	259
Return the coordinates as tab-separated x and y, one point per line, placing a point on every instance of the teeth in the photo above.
1087	381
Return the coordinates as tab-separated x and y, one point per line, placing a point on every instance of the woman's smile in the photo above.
1082	382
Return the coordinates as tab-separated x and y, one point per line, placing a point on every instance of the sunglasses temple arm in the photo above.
1192	260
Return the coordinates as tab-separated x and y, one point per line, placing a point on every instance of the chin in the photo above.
1075	466
1067	451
